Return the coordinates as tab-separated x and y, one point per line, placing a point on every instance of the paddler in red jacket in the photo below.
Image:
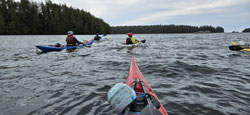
71	39
130	39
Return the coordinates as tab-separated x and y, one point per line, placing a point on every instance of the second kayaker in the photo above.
71	39
130	39
243	45
97	37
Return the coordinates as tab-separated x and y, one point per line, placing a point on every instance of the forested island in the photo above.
155	29
246	30
32	18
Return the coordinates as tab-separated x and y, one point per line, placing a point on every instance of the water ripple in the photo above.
192	74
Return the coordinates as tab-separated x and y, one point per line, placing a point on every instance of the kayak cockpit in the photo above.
140	101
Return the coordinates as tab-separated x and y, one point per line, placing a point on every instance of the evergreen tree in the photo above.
27	17
3	17
2	26
246	30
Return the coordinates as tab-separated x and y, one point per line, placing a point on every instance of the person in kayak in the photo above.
243	44
130	39
71	39
97	37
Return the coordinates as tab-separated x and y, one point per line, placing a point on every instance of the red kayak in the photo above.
137	82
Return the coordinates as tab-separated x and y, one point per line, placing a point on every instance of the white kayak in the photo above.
128	45
140	43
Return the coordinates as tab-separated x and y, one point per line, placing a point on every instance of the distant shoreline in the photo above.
144	29
126	34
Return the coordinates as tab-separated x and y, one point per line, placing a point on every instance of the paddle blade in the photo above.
143	41
150	110
234	43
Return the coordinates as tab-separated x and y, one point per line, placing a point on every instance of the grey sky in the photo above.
230	14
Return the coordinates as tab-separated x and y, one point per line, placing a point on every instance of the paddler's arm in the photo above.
77	40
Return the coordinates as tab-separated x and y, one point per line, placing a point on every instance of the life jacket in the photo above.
71	41
129	41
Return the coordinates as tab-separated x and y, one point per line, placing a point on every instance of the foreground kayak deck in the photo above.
51	48
134	80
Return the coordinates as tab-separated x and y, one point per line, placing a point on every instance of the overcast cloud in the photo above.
230	14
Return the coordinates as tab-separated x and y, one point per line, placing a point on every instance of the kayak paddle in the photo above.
142	41
234	43
149	109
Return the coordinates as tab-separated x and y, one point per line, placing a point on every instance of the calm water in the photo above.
192	74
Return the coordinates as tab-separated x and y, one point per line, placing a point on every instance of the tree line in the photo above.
25	17
246	30
150	29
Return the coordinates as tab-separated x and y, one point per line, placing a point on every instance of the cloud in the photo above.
142	12
188	8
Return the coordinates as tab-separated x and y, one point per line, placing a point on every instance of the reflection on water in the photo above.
192	74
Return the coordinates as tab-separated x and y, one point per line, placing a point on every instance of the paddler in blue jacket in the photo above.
71	39
130	39
97	37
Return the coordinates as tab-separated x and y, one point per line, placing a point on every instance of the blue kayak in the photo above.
51	48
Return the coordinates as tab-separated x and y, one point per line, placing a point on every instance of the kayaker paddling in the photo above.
130	39
97	37
239	46
71	39
50	48
243	44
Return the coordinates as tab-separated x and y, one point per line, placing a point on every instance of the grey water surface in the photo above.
192	74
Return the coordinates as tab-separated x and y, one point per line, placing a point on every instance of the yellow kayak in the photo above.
247	49
236	47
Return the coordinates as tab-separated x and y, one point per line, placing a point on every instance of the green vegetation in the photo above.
27	17
165	29
245	30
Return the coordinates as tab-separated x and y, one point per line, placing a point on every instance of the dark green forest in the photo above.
26	18
150	29
246	30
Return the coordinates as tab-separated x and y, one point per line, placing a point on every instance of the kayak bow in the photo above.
136	81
